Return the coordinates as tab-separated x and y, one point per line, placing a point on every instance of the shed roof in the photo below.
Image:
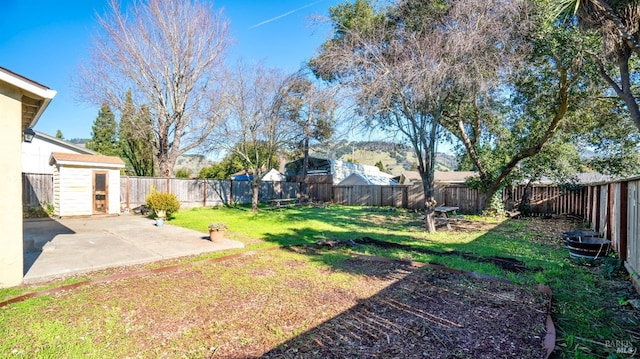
85	160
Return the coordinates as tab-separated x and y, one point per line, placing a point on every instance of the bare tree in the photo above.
256	130
410	64
170	54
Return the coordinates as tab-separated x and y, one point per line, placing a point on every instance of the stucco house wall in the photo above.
22	102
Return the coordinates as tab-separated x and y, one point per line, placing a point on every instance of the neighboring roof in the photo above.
271	176
408	177
36	97
85	160
274	176
453	176
243	175
339	170
356	179
440	176
580	178
63	143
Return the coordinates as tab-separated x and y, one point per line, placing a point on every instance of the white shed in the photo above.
85	184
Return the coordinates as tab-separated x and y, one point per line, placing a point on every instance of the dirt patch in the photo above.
431	314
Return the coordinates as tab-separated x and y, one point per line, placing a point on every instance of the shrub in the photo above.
218	226
163	202
183	173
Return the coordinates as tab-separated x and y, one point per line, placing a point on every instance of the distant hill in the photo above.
395	157
193	163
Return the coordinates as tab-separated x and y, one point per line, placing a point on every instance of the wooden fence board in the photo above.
37	188
613	217
633	232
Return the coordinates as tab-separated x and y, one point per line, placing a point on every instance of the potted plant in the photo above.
216	231
163	204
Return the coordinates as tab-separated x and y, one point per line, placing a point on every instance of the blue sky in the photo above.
45	40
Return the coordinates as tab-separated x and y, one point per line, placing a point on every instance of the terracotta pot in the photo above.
215	236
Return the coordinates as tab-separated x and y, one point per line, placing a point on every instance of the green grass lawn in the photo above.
589	306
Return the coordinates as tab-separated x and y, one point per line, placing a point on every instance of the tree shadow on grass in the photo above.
397	247
422	312
538	245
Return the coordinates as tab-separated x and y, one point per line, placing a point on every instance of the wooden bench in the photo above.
283	202
443	214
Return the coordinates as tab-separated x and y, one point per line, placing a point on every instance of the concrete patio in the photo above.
57	248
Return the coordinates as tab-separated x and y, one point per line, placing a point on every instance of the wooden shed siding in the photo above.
56	190
75	191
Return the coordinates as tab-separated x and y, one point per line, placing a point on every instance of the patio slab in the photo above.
57	248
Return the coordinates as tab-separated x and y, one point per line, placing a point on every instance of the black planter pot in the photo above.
587	247
576	235
567	235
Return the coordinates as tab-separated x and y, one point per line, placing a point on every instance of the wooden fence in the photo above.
610	208
37	188
201	192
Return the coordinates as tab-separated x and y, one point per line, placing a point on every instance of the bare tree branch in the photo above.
170	54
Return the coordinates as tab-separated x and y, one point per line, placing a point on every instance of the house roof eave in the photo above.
38	95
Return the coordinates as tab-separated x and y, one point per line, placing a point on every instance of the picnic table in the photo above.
446	214
283	202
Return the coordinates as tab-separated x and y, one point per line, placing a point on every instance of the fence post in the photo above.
609	212
204	192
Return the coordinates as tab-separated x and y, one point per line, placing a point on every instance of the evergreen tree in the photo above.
104	134
59	135
136	138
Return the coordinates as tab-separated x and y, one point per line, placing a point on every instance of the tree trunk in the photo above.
305	169
305	145
525	203
429	214
563	105
255	192
624	88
